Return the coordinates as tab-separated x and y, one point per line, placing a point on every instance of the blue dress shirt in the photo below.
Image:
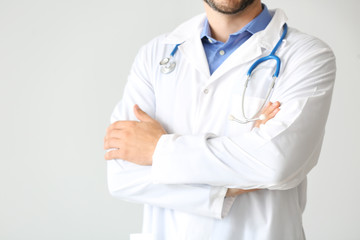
217	52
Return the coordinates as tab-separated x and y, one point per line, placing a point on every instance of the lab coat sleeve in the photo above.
132	182
276	156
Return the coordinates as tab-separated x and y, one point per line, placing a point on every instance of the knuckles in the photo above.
126	133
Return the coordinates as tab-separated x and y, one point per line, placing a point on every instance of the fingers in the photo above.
114	154
141	115
113	133
270	107
119	125
233	192
273	113
112	143
116	133
269	112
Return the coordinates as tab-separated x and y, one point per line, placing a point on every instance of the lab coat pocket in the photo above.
252	106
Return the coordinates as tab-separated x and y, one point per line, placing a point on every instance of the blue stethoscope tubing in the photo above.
271	56
168	65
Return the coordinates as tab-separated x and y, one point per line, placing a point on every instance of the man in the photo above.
200	175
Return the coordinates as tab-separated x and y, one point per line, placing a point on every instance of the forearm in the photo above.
276	156
133	183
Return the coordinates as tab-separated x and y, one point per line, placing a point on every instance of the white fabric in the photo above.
205	153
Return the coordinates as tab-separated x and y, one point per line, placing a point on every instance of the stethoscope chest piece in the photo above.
167	66
164	61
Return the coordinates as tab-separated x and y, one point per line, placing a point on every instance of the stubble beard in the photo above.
229	9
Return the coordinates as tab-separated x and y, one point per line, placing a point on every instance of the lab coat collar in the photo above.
253	48
194	26
189	32
268	38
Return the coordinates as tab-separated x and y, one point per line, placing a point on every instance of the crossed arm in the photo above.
135	141
277	156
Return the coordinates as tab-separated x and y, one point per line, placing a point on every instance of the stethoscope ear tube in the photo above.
261	117
264	59
271	56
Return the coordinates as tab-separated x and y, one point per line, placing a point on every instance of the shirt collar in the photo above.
259	23
190	31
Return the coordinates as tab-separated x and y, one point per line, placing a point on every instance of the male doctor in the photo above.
201	176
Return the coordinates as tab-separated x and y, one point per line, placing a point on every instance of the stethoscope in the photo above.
168	65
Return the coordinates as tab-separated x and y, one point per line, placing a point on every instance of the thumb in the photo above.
141	115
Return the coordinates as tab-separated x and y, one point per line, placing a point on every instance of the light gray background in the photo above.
63	66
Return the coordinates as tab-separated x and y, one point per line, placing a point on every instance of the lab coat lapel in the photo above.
191	48
253	47
247	52
193	51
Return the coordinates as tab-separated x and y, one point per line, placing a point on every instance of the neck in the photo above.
222	25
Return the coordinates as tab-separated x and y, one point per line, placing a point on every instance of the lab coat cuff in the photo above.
219	205
222	204
228	202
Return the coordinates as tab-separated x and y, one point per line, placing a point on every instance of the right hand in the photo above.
270	110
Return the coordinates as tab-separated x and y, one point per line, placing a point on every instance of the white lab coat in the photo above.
205	153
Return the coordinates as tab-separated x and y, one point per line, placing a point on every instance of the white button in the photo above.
206	91
210	40
222	52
